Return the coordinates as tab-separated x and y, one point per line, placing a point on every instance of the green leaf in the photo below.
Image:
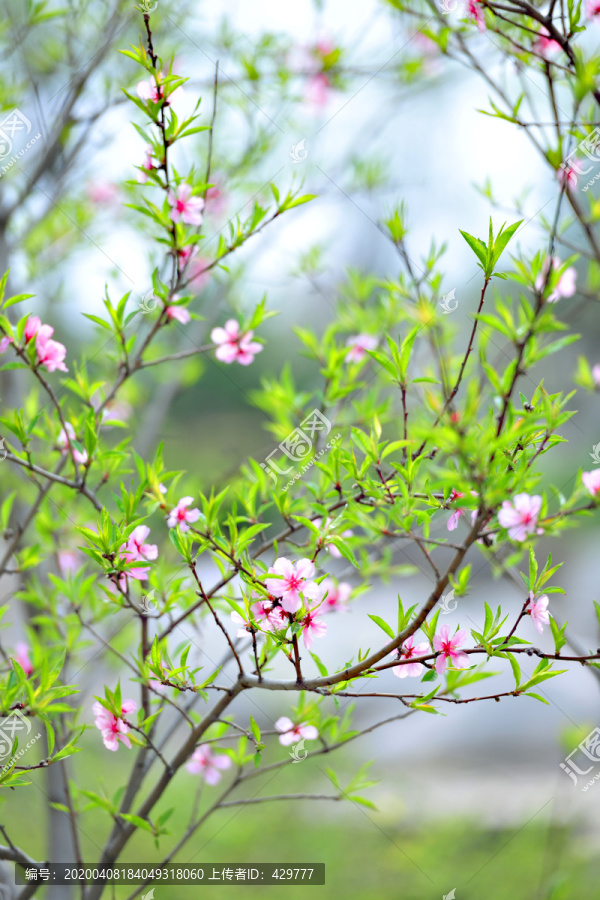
383	625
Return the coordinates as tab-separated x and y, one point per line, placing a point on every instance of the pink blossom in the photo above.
216	200
331	548
68	561
198	264
408	650
136	550
185	254
538	610
149	164
208	764
313	626
566	174
114	729
591	481
185	207
50	353
359	344
246	628
293	580
270	616
5	343
318	88
544	45
182	516
291	733
102	192
475	13
449	649
233	346
158	686
455	517
199	273
64	444
337	595
592	8
566	285
22	657
32	325
117	409
520	516
596	369
179	313
148	90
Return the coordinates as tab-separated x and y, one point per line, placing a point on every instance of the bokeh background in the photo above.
473	800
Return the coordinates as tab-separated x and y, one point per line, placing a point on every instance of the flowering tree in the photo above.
408	437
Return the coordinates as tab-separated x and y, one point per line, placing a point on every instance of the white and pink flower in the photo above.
269	616
359	344
137	550
149	90
591	481
475	13
207	764
64	444
567	175
22	657
456	515
68	561
181	516
5	343
538	610
113	728
566	284
51	354
179	313
184	206
234	346
150	163
520	516
290	581
331	548
103	192
409	650
291	733
336	596
449	649
313	626
544	45
32	326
